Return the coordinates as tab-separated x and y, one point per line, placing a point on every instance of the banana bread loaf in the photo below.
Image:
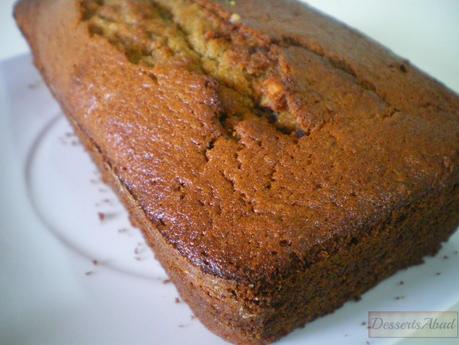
278	162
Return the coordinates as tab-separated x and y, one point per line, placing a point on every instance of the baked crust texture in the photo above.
277	165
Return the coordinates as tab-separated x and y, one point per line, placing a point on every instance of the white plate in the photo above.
51	291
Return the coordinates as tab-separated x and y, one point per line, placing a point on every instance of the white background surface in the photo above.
45	297
11	41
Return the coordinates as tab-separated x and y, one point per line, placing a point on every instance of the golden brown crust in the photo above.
257	152
246	315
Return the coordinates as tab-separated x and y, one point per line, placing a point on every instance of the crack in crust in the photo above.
251	71
246	67
152	33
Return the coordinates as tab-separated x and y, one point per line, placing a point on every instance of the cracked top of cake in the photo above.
257	137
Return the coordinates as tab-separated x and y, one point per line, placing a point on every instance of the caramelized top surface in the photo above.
256	136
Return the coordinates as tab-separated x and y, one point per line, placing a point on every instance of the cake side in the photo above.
238	195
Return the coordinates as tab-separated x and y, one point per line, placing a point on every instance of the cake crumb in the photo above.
140	249
438	273
401	282
363	323
95	262
445	257
105	216
166	281
177	300
102	216
89	273
34	85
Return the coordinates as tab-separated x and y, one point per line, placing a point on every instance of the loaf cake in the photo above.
278	162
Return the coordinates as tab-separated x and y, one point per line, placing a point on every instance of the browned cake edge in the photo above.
227	309
231	310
